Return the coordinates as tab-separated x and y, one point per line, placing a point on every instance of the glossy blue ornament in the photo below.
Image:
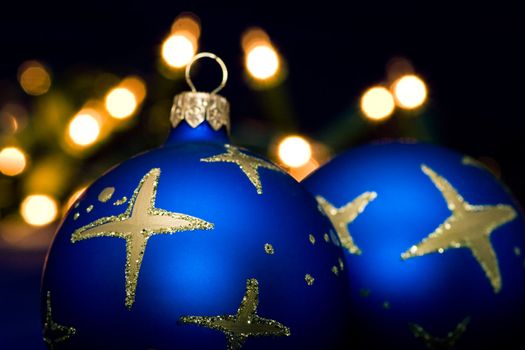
183	248
434	244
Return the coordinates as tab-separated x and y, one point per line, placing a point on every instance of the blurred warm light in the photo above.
120	103
12	161
377	103
137	86
254	37
187	23
303	171
39	209
261	58
294	151
73	198
262	62
178	50
84	128
34	78
410	92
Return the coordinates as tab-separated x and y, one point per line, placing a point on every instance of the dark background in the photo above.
470	57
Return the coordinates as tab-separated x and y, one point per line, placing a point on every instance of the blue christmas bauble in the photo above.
434	247
195	245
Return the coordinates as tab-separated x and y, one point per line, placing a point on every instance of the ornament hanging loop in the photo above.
213	57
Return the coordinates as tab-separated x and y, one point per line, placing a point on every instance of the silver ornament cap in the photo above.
198	107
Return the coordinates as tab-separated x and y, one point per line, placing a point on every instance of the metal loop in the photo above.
214	57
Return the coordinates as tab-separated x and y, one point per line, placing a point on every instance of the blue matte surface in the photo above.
200	273
436	291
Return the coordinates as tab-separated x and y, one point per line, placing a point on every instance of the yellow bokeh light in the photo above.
84	128
410	92
377	103
294	151
12	161
39	209
178	50
187	23
120	103
262	61
34	78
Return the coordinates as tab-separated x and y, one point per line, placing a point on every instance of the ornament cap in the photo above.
197	107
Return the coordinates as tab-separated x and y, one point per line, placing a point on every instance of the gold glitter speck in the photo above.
76	205
335	270
106	194
326	237
309	279
89	209
136	225
75	216
246	323
268	248
121	201
468	226
341	264
311	238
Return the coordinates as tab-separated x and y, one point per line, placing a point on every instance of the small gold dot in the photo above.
76	216
341	264
89	209
76	205
312	238
309	279
106	194
121	201
268	248
326	238
335	270
517	251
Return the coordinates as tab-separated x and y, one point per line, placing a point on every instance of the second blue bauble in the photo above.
435	248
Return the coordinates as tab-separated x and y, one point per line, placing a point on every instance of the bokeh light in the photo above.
12	161
262	62
377	103
84	128
39	209
34	78
410	92
294	151
120	103
178	50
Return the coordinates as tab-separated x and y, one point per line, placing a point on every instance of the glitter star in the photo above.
469	226
248	164
53	332
342	217
246	323
440	343
136	225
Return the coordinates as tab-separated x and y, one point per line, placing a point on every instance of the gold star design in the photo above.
469	226
440	343
246	323
53	332
136	225
342	217
248	164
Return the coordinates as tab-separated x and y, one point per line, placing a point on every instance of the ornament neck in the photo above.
184	133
